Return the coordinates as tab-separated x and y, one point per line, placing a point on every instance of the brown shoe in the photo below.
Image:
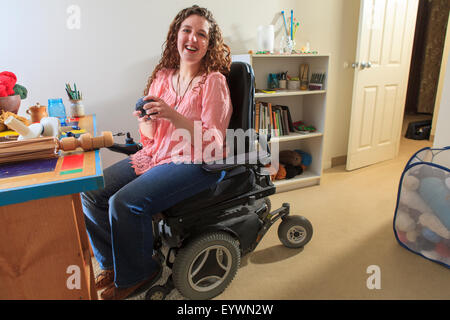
104	279
114	293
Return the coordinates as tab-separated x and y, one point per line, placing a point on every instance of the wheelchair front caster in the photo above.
206	266
295	231
268	204
157	293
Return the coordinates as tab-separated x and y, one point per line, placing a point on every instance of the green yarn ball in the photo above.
20	90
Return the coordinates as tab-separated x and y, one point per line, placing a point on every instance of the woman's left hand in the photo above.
164	111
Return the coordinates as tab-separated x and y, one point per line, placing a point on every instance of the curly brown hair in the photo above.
217	58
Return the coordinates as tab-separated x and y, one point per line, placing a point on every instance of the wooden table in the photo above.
44	247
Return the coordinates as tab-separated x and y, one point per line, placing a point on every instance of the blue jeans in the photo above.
119	216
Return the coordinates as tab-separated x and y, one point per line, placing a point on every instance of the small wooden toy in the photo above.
87	142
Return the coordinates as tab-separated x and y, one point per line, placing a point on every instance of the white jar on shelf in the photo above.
76	108
266	36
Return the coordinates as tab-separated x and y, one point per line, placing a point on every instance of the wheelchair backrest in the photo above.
241	82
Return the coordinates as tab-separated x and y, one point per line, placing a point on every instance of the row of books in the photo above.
275	119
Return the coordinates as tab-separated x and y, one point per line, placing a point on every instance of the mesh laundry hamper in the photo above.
422	214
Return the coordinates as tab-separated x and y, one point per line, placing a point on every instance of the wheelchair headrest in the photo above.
241	81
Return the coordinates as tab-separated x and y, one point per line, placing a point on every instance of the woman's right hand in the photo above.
146	124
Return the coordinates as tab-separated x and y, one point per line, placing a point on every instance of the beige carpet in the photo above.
352	214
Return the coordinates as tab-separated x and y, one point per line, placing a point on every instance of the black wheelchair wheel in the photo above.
206	266
295	231
157	293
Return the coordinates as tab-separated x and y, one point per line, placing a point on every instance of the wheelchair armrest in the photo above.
251	158
126	148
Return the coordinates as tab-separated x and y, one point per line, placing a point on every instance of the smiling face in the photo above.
193	39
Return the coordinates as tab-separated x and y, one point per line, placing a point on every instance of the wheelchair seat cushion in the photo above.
236	182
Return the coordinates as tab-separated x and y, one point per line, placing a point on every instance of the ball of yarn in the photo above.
411	236
414	214
403	222
412	199
424	244
430	221
411	183
425	171
281	174
402	236
443	250
437	196
439	173
414	171
446	242
430	235
306	157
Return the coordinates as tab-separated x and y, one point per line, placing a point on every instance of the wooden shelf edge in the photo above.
295	136
295	55
307	179
304	177
288	93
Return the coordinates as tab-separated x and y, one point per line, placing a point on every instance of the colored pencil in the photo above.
292	24
285	25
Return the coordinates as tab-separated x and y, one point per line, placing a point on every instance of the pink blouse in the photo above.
208	104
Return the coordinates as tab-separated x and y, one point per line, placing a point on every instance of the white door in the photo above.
385	40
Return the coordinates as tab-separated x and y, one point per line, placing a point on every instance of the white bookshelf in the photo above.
307	106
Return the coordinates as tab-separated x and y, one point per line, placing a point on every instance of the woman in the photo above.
187	89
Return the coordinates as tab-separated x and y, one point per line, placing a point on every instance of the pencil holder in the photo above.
76	108
287	45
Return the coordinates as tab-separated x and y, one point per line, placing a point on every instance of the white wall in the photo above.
442	136
442	105
119	44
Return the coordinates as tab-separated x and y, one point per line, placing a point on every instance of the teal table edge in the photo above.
56	188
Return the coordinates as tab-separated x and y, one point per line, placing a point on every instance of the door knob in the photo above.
364	65
355	65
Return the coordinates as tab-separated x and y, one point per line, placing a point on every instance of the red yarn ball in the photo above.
442	250
7	82
402	236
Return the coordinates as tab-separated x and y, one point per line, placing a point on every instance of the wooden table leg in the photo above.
44	250
85	245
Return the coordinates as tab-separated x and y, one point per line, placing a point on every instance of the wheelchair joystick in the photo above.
128	148
129	139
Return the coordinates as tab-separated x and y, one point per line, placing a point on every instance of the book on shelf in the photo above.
256	124
275	119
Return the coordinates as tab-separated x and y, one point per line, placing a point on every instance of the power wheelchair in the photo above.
206	235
